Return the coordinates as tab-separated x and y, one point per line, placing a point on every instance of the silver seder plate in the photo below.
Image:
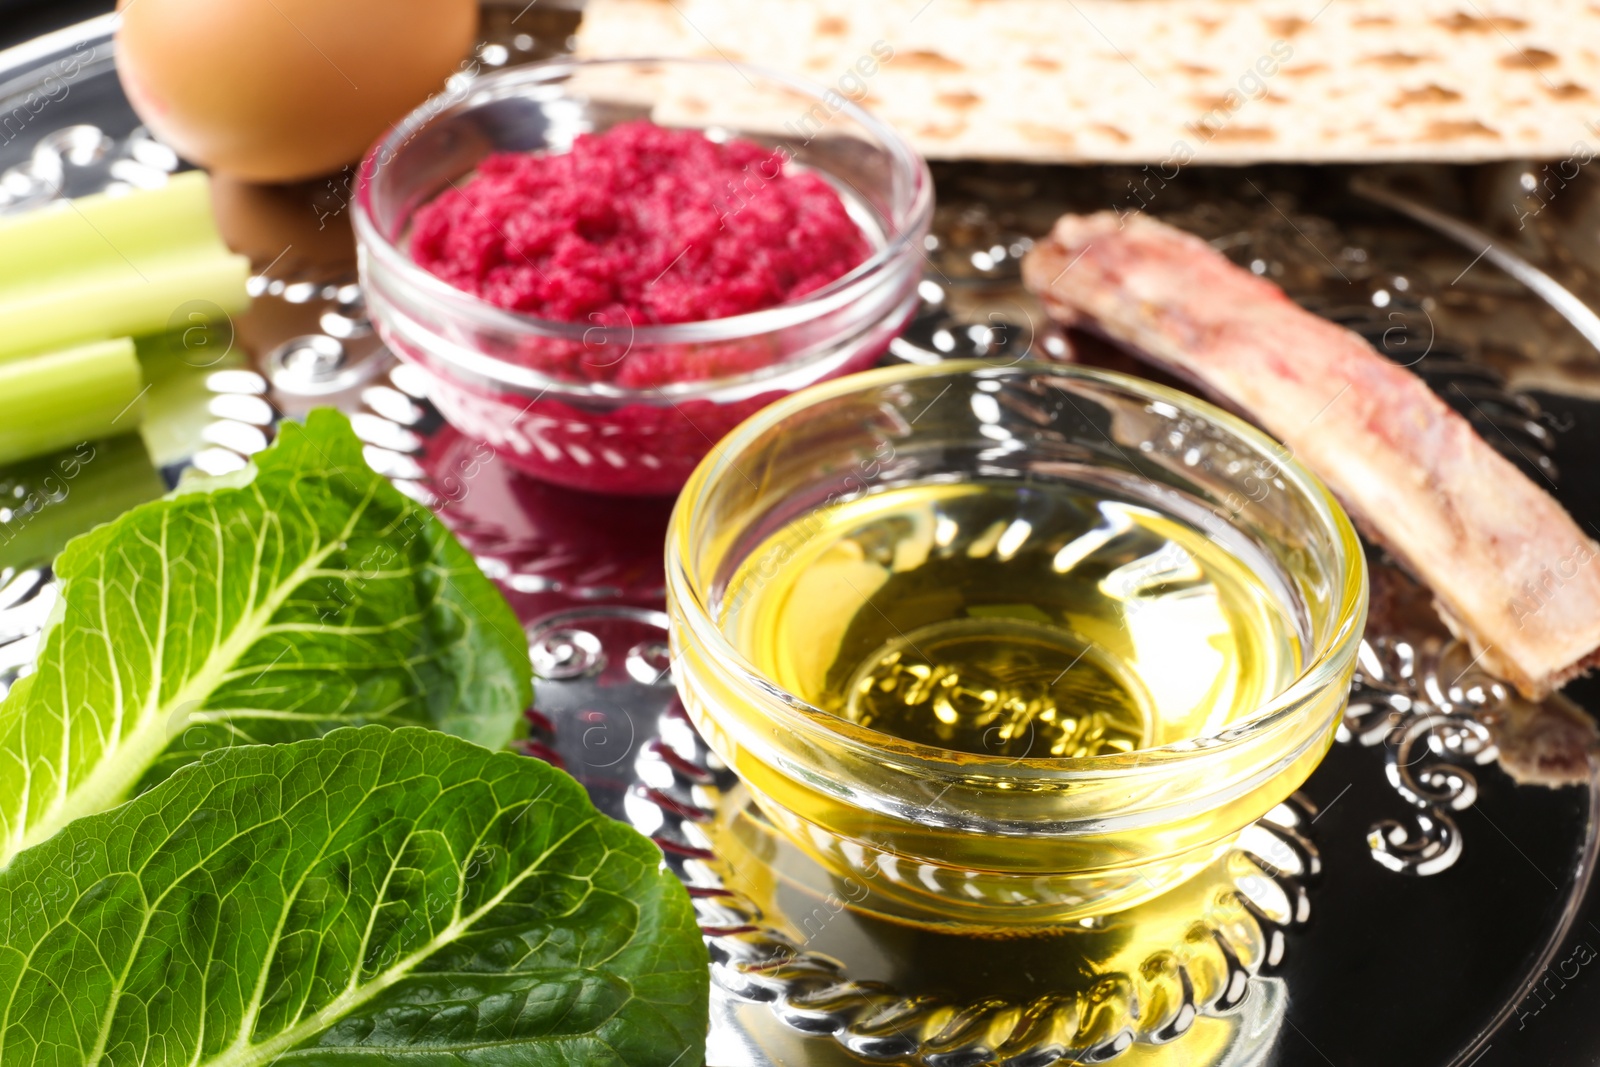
1423	900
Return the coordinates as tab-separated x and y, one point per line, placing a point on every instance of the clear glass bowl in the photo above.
597	435
946	837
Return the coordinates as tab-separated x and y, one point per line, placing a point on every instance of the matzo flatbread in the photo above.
1164	81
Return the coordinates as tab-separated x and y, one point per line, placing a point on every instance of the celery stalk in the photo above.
48	501
98	303
138	227
62	398
176	407
108	266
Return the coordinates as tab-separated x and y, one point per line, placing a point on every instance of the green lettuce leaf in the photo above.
301	594
374	896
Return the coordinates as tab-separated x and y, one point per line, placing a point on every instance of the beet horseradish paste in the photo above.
636	225
640	227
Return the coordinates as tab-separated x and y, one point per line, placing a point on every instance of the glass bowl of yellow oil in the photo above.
1016	645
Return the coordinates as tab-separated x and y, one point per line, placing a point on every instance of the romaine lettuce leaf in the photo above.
301	594
374	896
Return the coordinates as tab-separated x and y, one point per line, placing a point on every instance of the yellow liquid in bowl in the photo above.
1012	620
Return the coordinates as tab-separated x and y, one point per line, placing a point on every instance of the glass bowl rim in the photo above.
1321	668
514	81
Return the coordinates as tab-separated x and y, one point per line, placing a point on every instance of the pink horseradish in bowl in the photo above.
602	266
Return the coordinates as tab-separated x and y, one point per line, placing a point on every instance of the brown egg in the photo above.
275	90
